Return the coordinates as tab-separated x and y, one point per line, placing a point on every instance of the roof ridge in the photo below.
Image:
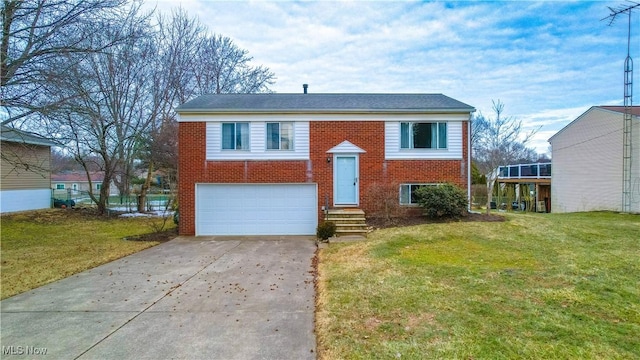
326	102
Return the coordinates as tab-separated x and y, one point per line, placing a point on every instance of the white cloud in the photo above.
547	61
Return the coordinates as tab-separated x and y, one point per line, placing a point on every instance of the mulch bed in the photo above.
381	223
162	236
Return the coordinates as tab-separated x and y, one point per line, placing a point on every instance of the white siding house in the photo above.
587	162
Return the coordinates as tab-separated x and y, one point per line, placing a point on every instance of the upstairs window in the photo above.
59	186
235	136
280	136
414	135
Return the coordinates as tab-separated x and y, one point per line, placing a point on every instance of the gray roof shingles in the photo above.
324	103
14	135
635	110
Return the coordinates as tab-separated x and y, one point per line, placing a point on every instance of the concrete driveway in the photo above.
189	298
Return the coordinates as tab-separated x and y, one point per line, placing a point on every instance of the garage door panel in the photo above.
256	209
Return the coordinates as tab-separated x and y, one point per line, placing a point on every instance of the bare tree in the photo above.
101	78
160	151
35	35
177	41
190	63
106	101
63	161
224	68
499	141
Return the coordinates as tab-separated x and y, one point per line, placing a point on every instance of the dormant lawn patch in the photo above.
534	286
39	247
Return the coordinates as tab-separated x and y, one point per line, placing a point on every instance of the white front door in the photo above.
345	180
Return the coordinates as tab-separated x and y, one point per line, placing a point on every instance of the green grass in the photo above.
537	286
39	247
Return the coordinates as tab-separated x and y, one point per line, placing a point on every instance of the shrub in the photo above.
176	210
326	230
176	217
442	201
385	202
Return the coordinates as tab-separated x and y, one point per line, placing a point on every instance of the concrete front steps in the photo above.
349	221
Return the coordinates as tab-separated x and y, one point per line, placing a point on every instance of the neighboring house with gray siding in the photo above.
25	172
588	162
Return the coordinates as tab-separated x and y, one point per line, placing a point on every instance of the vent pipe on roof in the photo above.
305	87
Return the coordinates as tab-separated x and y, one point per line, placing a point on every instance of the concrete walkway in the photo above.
189	298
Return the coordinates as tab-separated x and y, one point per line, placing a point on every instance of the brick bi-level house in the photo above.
270	164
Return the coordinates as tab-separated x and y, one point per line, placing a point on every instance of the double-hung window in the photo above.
235	136
59	186
279	136
418	135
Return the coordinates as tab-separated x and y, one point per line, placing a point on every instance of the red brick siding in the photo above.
368	135
191	160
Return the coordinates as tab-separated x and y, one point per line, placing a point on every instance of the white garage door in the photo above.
256	209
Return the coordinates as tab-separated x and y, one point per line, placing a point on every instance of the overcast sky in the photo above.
547	61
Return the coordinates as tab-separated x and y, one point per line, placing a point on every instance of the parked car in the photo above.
63	203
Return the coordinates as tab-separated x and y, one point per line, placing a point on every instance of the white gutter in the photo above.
318	111
469	163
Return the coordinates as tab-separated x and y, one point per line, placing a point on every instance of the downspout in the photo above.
469	164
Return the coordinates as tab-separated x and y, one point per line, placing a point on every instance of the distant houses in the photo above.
77	183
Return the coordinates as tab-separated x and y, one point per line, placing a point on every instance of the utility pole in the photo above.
627	124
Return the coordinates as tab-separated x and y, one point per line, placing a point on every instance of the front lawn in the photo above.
537	286
39	247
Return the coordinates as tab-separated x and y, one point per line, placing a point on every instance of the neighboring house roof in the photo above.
18	136
324	103
635	111
77	177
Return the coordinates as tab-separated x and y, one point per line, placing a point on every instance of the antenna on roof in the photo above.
619	10
628	107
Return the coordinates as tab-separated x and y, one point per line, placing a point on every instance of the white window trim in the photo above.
411	140
409	185
258	148
292	146
392	150
58	186
235	124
